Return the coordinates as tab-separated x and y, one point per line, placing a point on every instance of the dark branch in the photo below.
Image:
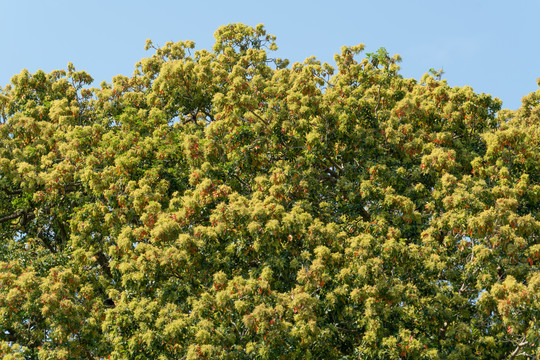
208	114
25	215
241	181
63	232
11	216
48	245
104	263
340	168
11	192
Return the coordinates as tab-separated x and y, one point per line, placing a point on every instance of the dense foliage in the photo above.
227	205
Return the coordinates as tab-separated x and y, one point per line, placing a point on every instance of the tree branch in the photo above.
25	215
209	115
11	192
340	168
241	181
11	216
519	346
48	245
104	263
63	232
259	117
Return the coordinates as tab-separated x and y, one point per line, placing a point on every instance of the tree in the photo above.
225	205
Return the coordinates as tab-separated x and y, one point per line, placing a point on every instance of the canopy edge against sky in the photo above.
491	46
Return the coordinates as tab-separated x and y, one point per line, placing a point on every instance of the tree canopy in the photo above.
224	204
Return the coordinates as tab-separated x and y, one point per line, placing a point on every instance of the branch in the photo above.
48	245
63	231
26	215
104	263
11	216
11	192
207	114
334	163
45	241
519	346
240	180
259	117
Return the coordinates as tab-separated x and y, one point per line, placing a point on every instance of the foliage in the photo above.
227	205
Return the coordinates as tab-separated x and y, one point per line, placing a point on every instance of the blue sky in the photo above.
493	46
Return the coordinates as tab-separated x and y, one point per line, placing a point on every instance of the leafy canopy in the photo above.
223	204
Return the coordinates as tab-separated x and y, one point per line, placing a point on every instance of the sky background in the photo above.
492	46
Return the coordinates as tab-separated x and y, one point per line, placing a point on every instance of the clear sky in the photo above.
491	45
